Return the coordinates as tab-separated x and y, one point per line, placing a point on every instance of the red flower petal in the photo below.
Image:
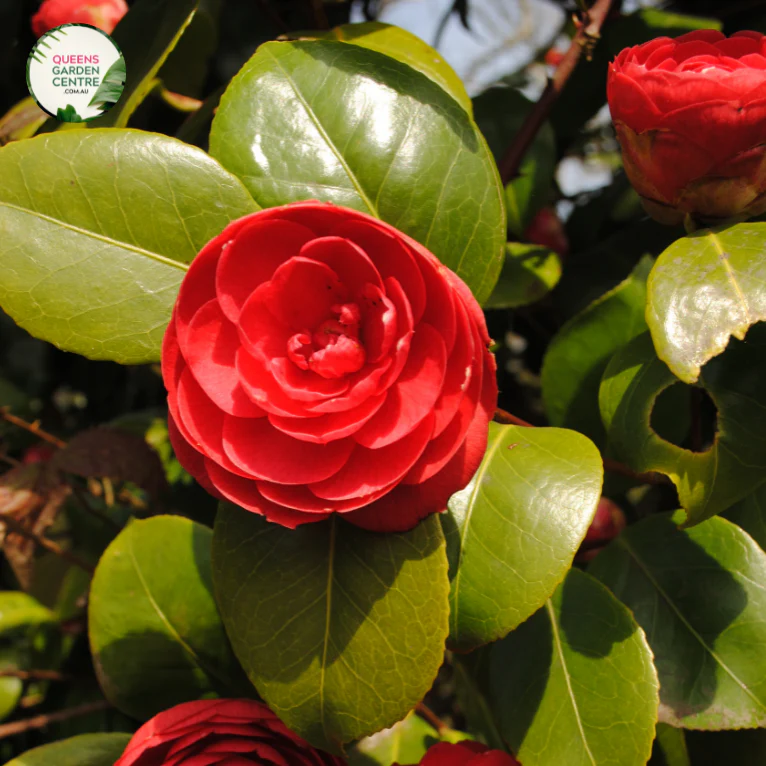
253	257
266	453
367	471
413	396
327	428
391	257
190	459
210	351
346	259
704	35
244	493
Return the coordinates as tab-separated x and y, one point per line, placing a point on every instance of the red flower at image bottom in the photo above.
237	732
320	361
466	753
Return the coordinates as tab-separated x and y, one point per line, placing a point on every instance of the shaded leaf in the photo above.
705	288
348	125
670	747
529	273
145	35
575	684
119	211
512	533
750	515
21	121
323	615
115	454
83	750
698	594
707	482
155	633
577	356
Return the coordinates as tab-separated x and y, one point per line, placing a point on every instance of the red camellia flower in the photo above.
319	361
466	753
211	732
103	14
690	115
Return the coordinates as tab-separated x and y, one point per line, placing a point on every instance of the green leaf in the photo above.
513	531
20	611
500	113
703	289
155	633
750	515
698	593
472	691
404	743
575	684
670	747
707	482
68	115
83	750
340	123
119	211
577	356
146	35
340	630
529	273
403	46
21	121
112	85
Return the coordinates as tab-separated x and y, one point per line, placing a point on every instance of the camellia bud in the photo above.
690	114
608	522
103	14
547	230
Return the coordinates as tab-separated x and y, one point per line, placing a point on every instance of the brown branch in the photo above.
427	714
645	478
506	418
18	528
41	721
35	675
588	32
33	428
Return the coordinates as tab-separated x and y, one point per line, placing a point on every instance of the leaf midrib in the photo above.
165	621
100	237
567	679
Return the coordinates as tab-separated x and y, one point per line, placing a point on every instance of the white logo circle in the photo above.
76	72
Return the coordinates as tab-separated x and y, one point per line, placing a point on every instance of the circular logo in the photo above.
76	72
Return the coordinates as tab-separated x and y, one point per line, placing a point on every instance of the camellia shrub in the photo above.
345	421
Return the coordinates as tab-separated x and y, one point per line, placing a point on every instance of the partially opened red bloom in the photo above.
319	361
690	114
466	753
213	732
103	14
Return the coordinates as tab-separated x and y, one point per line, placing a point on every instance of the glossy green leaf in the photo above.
18	610
119	211
83	750
500	113
155	633
146	35
340	123
513	531
707	482
577	356
529	273
403	46
340	630
575	684
698	594
750	514
705	288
